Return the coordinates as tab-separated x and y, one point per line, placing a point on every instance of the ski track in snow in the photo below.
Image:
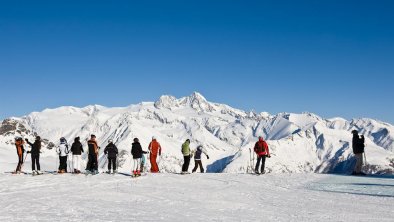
196	197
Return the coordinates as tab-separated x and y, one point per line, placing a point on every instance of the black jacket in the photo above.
76	148
358	144
136	150
35	147
111	150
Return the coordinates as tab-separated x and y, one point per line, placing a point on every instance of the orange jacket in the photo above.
93	147
19	147
154	147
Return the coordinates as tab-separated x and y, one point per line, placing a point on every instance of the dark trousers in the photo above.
198	163
20	162
63	163
111	161
262	159
92	162
185	166
35	160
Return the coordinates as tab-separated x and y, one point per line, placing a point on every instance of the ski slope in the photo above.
196	197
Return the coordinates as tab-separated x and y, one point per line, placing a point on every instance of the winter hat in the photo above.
76	139
38	138
110	141
136	140
354	132
62	139
153	137
93	136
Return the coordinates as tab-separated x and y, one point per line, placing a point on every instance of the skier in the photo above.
19	150
111	151
262	151
187	154
77	150
197	158
35	155
92	166
358	150
63	151
137	152
154	149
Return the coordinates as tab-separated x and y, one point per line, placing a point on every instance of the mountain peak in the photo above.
197	96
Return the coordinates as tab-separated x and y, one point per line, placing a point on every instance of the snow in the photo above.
299	142
196	197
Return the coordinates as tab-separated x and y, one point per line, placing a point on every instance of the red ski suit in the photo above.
154	148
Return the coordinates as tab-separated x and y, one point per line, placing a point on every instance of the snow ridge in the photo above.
298	142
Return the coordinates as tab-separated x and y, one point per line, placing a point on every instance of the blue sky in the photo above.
333	58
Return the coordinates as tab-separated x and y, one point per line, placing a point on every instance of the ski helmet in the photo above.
354	132
62	139
136	140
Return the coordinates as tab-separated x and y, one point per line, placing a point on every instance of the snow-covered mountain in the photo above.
298	142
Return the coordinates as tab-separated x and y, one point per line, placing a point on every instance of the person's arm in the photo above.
27	141
116	149
159	149
205	152
82	148
106	150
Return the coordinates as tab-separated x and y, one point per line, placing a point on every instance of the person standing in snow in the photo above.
187	154
77	149
358	150
197	158
19	150
35	155
137	152
154	150
63	151
262	151
92	166
111	151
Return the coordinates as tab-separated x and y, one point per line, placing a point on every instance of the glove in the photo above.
28	152
207	157
269	156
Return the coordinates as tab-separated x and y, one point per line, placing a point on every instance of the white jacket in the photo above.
62	149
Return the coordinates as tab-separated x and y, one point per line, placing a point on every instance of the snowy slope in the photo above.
197	197
299	142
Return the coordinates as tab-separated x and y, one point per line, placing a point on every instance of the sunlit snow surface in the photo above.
196	197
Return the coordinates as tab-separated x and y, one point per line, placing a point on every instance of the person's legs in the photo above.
114	164
95	162
187	163
359	163
33	162
109	164
155	167
262	164
195	166
38	162
201	167
20	162
256	169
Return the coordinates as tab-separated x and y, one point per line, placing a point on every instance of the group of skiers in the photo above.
111	151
